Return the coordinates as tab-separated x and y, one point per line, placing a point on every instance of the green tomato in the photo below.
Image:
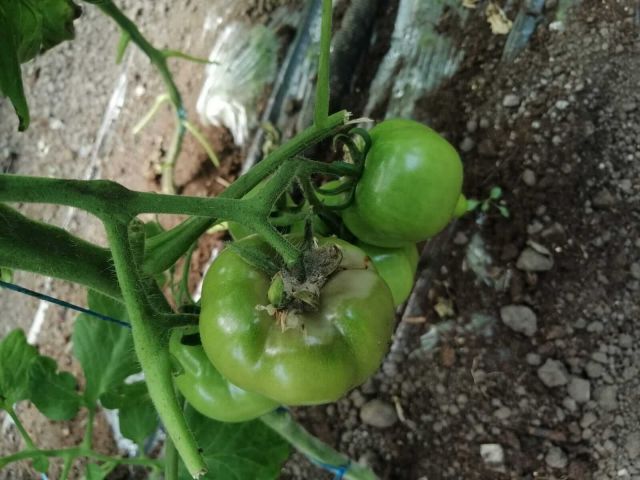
318	356
461	207
409	187
396	266
205	389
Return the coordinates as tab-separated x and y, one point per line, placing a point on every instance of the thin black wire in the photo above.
62	303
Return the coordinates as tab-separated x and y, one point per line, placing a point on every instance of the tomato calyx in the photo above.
297	289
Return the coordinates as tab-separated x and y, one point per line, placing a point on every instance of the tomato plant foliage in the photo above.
29	27
298	311
237	451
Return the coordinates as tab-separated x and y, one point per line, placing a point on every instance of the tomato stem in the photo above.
23	431
74	452
316	450
171	460
159	60
321	111
163	250
150	343
48	250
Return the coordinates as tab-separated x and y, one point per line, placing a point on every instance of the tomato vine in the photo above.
135	258
293	271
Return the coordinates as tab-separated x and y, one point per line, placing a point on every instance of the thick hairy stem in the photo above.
150	346
165	249
283	423
101	197
36	247
171	460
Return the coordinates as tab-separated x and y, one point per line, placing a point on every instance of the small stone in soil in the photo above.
556	458
607	397
529	177
625	340
460	239
588	419
594	369
553	373
533	261
467	144
378	414
519	318
632	445
511	100
492	453
635	270
579	389
603	199
533	359
595	327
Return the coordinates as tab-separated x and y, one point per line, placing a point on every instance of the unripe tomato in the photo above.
409	188
323	355
396	266
205	389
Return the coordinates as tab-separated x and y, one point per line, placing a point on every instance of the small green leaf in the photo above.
57	21
138	417
105	350
27	23
16	356
29	27
138	422
10	73
236	451
53	393
504	211
41	464
495	193
485	206
124	395
472	204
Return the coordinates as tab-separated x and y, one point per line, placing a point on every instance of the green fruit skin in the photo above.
461	206
396	266
340	346
209	392
411	183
